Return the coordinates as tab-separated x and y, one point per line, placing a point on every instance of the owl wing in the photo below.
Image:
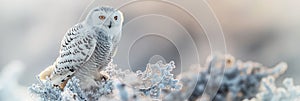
115	46
113	52
77	47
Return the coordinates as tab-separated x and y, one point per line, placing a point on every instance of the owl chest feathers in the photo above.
101	55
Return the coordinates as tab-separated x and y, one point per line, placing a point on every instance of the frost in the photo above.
238	81
123	85
46	91
157	77
270	92
72	91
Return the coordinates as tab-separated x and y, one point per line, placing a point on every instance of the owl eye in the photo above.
101	17
116	17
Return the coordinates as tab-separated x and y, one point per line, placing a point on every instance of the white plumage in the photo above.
87	48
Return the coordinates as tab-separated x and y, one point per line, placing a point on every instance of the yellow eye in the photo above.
116	17
101	17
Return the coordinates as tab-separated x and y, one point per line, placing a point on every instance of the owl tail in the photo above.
46	73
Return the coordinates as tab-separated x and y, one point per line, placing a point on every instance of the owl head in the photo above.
105	17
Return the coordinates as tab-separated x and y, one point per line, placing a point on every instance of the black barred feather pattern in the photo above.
81	51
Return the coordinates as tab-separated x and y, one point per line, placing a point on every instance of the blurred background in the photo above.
265	31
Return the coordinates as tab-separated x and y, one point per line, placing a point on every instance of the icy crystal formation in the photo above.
270	92
46	92
230	80
123	85
72	91
157	77
221	79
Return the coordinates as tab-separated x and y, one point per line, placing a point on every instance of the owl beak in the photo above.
109	26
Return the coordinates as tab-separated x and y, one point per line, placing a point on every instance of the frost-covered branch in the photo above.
235	80
269	91
240	80
142	85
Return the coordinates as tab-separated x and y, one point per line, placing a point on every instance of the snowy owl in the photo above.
87	48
